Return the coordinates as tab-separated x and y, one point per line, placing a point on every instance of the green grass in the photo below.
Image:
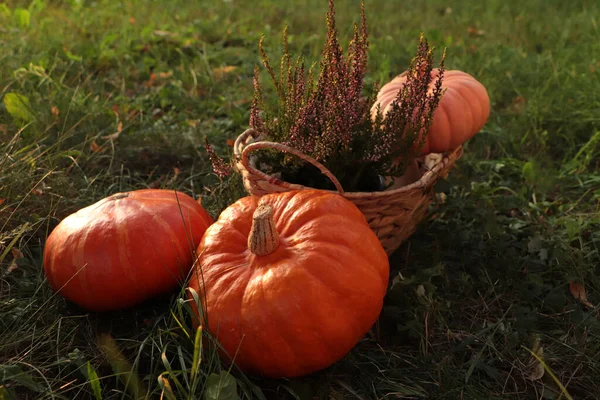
483	281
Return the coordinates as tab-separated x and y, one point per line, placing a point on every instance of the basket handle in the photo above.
278	146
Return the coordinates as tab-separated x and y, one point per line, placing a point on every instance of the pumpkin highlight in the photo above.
125	248
289	282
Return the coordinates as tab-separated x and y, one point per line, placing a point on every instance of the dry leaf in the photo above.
150	82
114	136
518	105
167	392
40	189
17	255
192	122
536	368
161	33
475	32
578	292
95	147
220	72
536	372
165	75
132	114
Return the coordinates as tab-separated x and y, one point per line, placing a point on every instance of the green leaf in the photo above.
14	374
529	172
94	381
18	106
197	353
221	387
23	17
76	4
73	57
37	5
5	11
448	40
5	394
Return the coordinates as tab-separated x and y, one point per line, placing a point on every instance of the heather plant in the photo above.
330	119
219	165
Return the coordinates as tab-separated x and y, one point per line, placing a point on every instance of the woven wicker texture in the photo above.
393	214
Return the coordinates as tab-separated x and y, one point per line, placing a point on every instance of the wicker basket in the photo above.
393	214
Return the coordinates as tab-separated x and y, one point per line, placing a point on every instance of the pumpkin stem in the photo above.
263	238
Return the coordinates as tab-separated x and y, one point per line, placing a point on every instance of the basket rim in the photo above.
429	177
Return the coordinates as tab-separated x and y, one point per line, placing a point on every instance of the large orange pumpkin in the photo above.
463	109
290	282
125	248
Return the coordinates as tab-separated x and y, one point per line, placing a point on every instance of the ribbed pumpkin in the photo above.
463	109
125	248
290	282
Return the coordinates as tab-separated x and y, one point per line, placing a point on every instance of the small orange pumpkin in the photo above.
463	109
290	282
125	248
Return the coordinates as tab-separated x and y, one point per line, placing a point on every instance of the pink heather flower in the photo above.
256	121
220	167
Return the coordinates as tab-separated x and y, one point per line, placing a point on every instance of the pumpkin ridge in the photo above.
124	256
182	202
250	300
226	228
284	321
172	271
467	87
329	285
210	306
364	261
79	261
434	140
469	118
223	271
165	225
286	209
482	97
344	301
301	239
334	208
454	118
237	219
